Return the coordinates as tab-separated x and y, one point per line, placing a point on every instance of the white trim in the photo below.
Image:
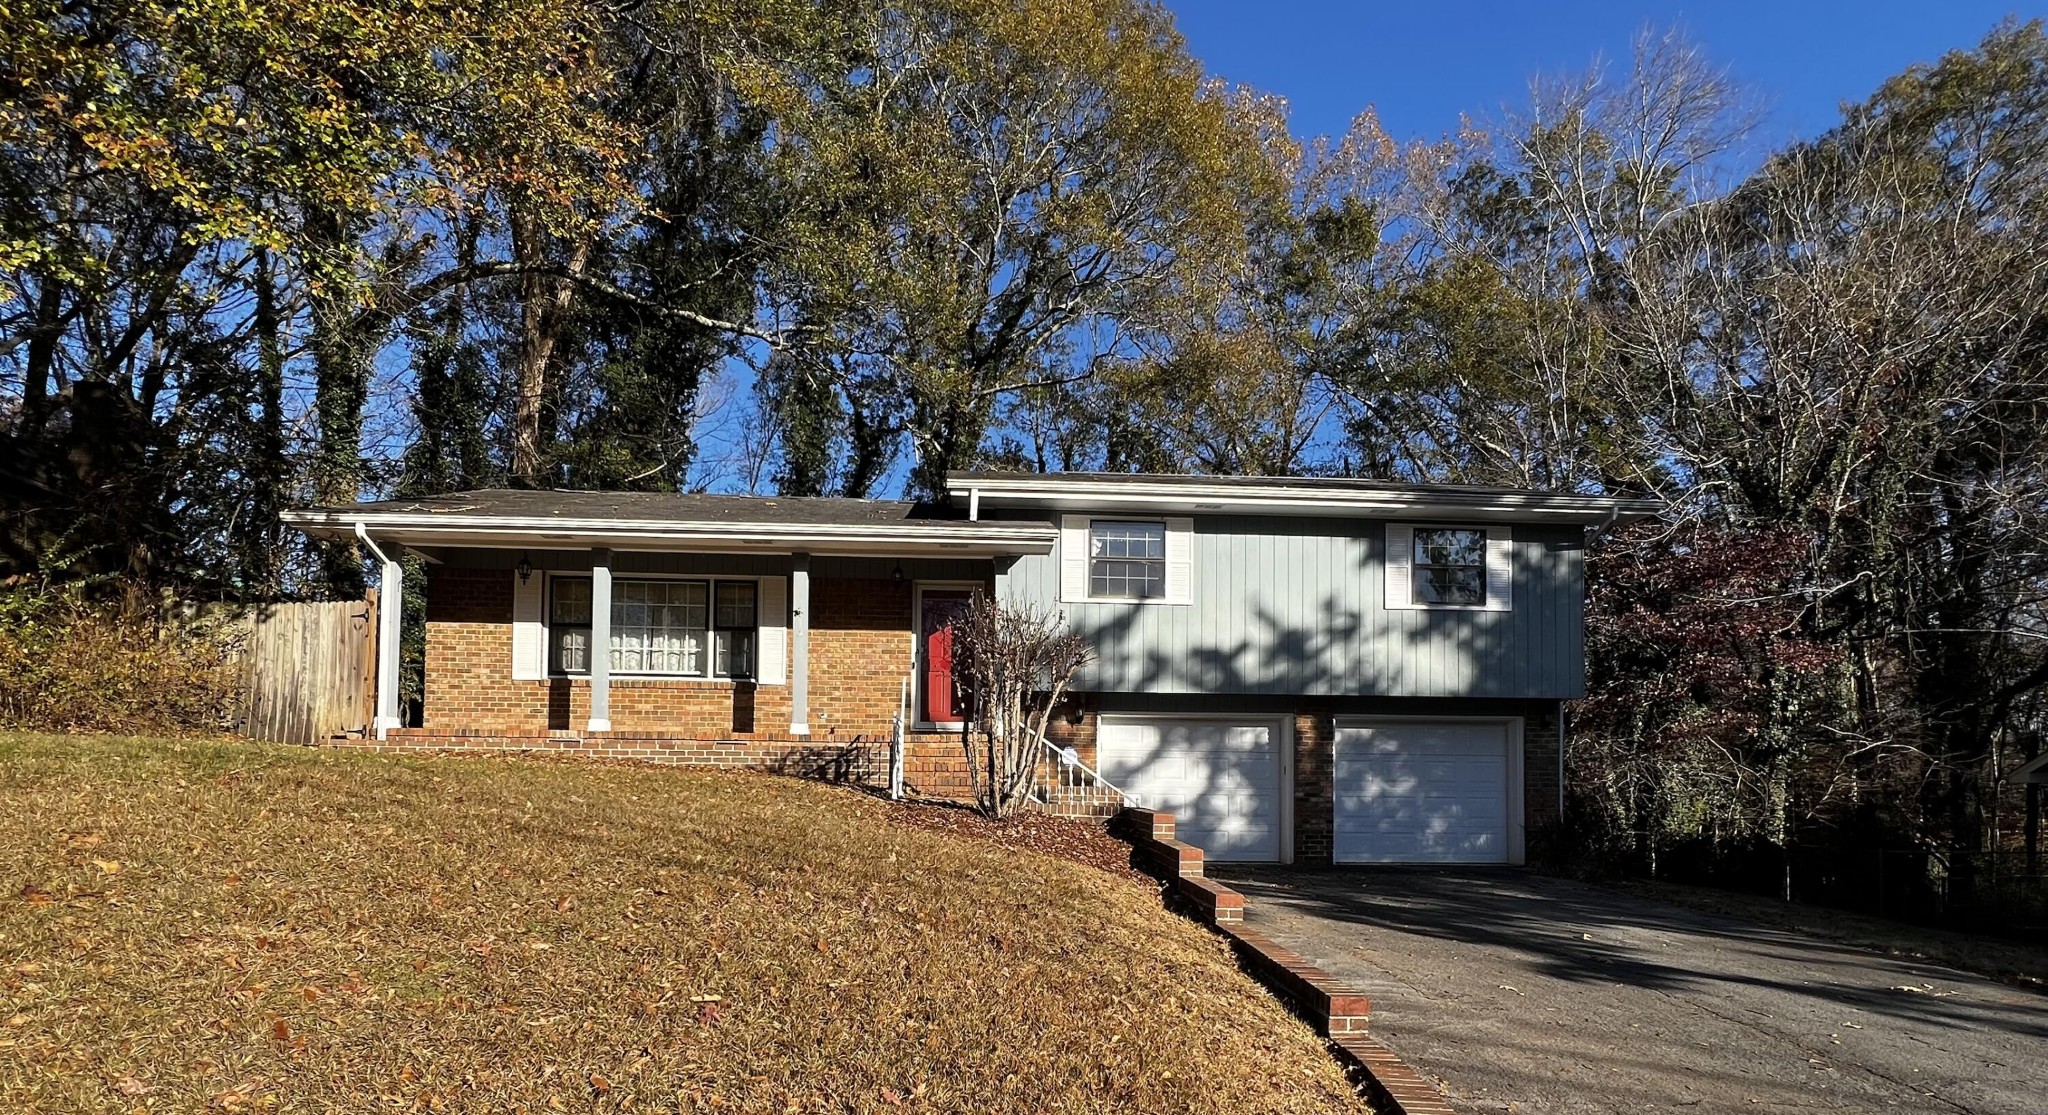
1077	560
1498	573
547	619
1517	808
1282	737
941	539
917	591
1307	498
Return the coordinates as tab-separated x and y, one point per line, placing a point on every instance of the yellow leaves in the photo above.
108	866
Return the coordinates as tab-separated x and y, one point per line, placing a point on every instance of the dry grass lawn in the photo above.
223	926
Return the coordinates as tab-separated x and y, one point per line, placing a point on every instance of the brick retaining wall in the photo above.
1340	1011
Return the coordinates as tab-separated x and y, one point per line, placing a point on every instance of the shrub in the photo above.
67	664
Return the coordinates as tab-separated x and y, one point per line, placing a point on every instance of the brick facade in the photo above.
1314	761
860	652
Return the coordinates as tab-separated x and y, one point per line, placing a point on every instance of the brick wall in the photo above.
1539	766
1314	756
860	652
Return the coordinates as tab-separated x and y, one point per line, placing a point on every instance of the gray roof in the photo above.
661	507
966	478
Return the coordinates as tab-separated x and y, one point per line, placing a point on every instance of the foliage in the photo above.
66	664
1018	662
1711	695
197	926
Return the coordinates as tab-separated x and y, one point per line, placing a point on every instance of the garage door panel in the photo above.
1415	791
1220	778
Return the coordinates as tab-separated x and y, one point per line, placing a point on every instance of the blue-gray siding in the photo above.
1297	606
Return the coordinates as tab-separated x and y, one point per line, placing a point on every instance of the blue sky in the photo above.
1422	63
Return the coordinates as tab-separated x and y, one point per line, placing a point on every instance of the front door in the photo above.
941	614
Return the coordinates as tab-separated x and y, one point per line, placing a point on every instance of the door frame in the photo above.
1282	738
917	591
1517	810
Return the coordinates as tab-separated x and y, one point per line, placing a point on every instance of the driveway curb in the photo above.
1340	1011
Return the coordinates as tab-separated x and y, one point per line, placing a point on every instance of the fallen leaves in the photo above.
734	941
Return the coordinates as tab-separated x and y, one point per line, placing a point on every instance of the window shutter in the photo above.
529	635
773	605
1400	565
1073	557
1180	561
1500	569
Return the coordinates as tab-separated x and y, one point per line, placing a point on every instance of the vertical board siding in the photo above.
1298	606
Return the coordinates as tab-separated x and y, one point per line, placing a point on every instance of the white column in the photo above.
390	633
800	645
600	641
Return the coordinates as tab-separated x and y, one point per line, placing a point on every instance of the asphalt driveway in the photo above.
1534	995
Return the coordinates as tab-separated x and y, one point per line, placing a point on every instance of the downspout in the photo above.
974	505
363	536
390	607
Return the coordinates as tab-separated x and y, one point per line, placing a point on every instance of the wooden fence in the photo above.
311	670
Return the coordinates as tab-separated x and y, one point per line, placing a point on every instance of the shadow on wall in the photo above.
1342	644
859	761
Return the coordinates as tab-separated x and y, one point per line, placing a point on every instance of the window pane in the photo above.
572	650
571	600
1129	579
1126	540
735	654
735	604
1450	547
1450	585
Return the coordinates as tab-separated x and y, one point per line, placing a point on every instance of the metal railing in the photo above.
898	729
1072	785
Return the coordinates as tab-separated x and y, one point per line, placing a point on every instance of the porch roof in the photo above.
529	519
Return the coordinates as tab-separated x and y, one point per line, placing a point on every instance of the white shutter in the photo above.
529	635
1180	561
1500	569
1073	557
773	604
1400	571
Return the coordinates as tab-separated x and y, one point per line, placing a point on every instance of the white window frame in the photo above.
1498	574
1075	561
710	582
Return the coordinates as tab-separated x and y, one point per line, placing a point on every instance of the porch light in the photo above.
896	574
525	568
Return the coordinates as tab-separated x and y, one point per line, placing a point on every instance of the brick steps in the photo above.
1340	1011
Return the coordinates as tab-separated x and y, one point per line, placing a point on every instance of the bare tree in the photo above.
1020	659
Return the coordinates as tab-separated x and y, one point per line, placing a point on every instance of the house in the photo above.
1303	670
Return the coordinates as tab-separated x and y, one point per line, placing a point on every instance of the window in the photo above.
1450	566
733	630
569	626
667	628
1126	561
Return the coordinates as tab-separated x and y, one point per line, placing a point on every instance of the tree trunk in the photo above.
543	305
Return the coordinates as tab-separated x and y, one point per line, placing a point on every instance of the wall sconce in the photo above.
896	574
525	568
1076	712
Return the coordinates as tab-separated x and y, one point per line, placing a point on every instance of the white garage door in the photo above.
1420	791
1219	778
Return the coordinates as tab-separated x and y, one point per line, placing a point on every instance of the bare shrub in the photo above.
1019	660
70	665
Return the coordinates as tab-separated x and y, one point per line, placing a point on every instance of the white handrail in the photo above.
1074	777
897	730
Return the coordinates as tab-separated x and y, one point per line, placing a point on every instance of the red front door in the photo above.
942	613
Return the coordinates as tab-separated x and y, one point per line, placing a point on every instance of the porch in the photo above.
784	634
